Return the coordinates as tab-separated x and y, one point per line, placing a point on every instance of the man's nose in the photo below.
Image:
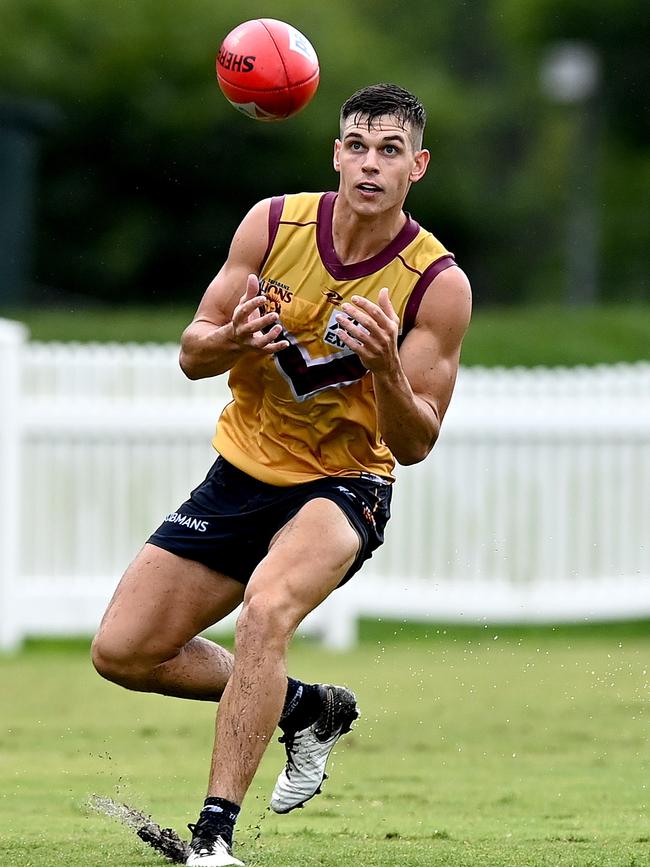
370	162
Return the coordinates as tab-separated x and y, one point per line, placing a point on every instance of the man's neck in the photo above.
357	237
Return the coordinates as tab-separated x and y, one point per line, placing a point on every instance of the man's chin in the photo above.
368	205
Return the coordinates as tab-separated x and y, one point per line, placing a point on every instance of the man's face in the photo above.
377	165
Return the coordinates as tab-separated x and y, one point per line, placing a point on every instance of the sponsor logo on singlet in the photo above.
332	332
187	521
332	297
276	293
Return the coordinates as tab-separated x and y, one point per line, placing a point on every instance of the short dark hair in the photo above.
377	100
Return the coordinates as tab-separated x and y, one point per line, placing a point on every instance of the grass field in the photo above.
508	336
477	748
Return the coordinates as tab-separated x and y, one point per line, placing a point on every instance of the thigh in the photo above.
307	558
164	600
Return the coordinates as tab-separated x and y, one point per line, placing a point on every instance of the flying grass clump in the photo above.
165	841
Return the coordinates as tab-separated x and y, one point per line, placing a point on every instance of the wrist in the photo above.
391	376
226	335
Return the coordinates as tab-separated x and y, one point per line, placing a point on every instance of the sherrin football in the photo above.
267	69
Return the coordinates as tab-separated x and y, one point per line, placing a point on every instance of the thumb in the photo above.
384	302
252	287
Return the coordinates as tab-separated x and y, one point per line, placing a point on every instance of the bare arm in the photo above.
228	321
413	386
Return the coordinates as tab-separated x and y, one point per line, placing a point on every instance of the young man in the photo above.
340	321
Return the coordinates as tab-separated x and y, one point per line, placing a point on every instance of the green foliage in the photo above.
150	170
476	748
552	335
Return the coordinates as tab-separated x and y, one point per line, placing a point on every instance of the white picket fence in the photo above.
534	506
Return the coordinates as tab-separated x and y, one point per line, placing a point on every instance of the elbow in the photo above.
409	458
188	366
408	454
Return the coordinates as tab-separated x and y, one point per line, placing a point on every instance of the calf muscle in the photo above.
148	640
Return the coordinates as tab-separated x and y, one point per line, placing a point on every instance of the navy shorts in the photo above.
230	519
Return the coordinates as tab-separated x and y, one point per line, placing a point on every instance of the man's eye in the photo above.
390	150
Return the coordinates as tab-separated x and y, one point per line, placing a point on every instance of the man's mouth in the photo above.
368	187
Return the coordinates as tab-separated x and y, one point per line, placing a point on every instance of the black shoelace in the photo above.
324	726
287	740
204	836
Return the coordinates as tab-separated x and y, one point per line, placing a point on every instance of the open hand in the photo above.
374	338
253	329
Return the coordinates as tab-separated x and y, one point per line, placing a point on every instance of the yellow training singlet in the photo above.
309	411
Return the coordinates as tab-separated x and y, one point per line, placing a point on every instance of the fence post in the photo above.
339	628
12	337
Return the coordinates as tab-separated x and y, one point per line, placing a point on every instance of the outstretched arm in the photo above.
413	385
227	322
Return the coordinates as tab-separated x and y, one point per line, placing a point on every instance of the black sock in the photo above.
302	705
221	815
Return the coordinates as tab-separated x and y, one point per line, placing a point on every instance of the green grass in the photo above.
509	336
477	748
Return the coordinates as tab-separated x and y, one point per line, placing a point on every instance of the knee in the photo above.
119	662
266	618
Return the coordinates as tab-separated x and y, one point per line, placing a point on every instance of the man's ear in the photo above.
337	155
420	165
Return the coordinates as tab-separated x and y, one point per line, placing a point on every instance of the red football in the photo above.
267	69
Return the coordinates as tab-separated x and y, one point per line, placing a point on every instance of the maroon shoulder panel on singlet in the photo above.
275	212
416	296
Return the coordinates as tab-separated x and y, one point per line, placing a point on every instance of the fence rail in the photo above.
535	504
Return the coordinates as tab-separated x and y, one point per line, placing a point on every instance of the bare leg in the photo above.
303	566
147	641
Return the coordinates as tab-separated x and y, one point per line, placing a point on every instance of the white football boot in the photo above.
208	850
308	750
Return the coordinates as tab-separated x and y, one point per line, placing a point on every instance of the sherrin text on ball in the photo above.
267	69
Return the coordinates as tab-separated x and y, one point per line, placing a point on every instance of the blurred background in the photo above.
123	173
517	733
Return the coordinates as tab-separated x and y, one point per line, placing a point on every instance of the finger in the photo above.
252	286
252	290
360	316
351	334
383	308
370	308
246	308
255	324
349	341
266	334
277	346
345	323
385	303
270	343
